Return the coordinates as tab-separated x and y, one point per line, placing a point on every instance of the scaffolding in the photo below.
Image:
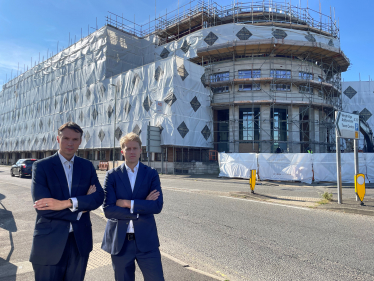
315	72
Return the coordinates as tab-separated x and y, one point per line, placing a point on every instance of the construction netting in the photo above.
301	167
358	96
97	80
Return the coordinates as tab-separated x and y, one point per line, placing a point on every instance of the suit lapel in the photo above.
125	178
139	178
77	170
59	170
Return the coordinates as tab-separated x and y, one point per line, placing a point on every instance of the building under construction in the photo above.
259	77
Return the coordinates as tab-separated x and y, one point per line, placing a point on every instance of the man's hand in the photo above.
153	195
52	204
91	190
123	203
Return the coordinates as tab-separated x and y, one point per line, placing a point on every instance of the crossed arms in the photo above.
48	207
121	208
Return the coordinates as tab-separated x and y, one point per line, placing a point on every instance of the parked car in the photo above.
22	168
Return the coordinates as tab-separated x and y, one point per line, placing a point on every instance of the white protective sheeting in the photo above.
237	165
188	45
285	166
295	166
80	84
358	96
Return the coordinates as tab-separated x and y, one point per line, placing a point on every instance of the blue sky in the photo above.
29	28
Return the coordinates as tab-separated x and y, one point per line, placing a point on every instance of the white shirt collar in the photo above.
63	160
135	168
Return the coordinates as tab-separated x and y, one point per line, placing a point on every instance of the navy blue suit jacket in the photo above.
117	186
52	227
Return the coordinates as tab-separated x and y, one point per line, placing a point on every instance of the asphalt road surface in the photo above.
203	227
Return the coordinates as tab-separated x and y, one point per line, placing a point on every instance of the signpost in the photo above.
154	142
347	126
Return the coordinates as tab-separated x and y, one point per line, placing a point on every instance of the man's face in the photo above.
131	151
69	141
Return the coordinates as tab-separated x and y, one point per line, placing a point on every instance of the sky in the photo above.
29	29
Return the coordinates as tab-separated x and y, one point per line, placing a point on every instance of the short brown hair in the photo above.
72	126
130	137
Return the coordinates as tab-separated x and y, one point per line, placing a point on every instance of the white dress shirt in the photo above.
132	177
68	168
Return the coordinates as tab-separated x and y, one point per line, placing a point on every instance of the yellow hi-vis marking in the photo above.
360	186
252	180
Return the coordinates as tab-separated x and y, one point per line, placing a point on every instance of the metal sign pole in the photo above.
356	160
338	169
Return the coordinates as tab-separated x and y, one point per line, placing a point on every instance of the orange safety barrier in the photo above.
213	155
103	166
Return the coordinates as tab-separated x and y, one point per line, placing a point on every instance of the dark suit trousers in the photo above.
71	267
149	263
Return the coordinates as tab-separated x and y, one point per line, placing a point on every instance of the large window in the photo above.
245	74
280	87
222	130
217	77
280	73
218	90
279	129
305	75
250	87
249	124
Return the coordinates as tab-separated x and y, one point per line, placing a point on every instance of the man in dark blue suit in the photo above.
64	188
132	196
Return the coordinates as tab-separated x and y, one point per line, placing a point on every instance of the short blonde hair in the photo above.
130	137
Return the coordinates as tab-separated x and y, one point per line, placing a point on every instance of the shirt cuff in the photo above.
132	206
75	204
79	215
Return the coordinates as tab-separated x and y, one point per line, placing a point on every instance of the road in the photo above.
236	239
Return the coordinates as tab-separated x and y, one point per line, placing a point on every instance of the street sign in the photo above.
347	125
360	186
153	139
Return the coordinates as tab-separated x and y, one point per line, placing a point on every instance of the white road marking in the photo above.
263	202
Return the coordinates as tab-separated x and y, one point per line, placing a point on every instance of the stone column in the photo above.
7	158
322	133
14	160
294	129
312	137
48	153
23	154
234	129
34	155
265	129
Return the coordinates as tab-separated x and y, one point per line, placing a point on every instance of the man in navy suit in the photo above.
132	196
64	188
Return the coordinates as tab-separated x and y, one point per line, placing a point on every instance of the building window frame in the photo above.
306	75
280	73
247	74
249	87
221	76
218	90
280	87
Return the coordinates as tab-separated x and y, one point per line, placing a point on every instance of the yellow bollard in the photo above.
360	186
252	181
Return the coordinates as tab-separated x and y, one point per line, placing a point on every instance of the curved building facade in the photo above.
251	77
